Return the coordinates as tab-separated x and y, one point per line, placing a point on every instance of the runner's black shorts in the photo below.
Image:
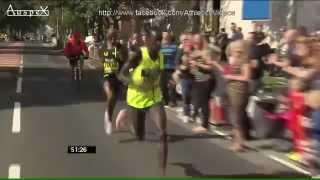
117	86
73	60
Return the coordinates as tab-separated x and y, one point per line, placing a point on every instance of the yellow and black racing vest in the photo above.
143	91
111	61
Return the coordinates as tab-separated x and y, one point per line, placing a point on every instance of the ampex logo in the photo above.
39	12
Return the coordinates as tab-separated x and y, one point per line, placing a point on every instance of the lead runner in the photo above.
142	73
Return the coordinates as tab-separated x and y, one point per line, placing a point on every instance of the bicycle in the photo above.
77	70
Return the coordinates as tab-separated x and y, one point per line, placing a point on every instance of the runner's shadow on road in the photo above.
191	171
172	138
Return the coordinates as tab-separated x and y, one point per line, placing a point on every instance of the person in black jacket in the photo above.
257	54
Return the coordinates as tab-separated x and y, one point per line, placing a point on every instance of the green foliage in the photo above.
23	24
69	15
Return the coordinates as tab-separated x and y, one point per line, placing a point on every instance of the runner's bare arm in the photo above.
100	54
123	54
132	62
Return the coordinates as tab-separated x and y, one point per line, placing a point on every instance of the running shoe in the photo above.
185	119
198	120
108	127
294	156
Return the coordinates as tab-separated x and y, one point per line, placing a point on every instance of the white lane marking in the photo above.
288	164
19	80
21	62
19	85
14	171
16	126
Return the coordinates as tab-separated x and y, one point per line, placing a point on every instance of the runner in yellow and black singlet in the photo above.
142	73
112	56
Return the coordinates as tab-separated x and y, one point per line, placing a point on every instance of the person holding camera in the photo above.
202	79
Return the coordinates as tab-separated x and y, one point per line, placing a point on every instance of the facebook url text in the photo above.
166	13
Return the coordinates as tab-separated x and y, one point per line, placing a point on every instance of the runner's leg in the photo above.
81	68
137	117
110	92
164	87
158	114
73	68
122	119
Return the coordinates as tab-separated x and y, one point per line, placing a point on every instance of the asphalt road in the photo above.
53	116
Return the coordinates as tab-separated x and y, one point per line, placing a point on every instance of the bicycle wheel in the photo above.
78	75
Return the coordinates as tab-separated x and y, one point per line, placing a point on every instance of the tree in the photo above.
19	25
196	19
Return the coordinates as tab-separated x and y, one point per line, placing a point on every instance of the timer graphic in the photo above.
81	149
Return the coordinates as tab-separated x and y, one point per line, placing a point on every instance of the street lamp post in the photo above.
292	14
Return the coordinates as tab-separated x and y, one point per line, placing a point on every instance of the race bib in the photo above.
110	66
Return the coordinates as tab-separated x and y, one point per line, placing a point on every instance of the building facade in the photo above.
281	13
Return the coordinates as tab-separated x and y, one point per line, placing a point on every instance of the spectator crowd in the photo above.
261	92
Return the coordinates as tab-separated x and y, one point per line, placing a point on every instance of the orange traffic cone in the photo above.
217	116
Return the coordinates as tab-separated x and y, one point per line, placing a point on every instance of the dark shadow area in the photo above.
172	138
8	79
191	171
266	146
280	145
52	52
51	87
29	47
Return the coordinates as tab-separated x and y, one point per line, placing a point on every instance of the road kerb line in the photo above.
14	171
19	80
21	61
288	164
16	125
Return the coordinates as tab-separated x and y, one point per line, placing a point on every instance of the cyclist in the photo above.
75	47
113	56
142	73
